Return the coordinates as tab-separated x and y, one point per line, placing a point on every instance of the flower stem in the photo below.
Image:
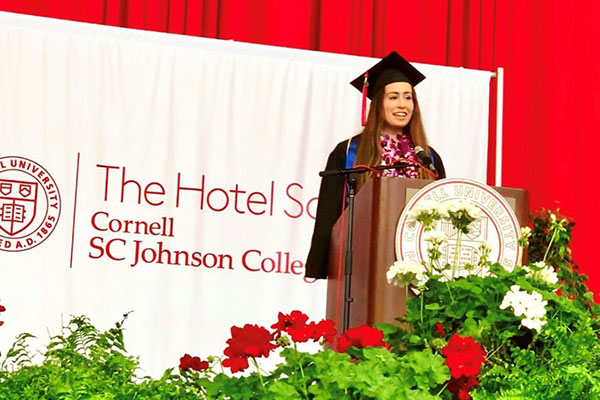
259	374
535	338
437	266
422	296
443	388
304	390
521	250
550	244
449	291
457	255
489	356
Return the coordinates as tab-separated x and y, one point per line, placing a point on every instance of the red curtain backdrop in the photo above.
547	48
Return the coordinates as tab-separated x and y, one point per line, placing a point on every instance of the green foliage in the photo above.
83	363
561	361
375	373
549	242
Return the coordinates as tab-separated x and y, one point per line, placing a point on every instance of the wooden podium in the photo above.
377	209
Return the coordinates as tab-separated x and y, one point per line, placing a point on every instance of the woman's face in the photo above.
398	105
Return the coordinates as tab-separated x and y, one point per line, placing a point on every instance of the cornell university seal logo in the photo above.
498	226
29	204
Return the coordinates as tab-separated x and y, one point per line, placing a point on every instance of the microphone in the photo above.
426	161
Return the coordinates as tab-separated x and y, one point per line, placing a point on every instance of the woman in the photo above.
392	132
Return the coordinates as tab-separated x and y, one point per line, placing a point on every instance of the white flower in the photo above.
484	250
531	306
462	206
525	232
436	238
427	212
513	298
421	280
461	214
424	208
485	247
542	272
402	273
533	323
525	235
536	307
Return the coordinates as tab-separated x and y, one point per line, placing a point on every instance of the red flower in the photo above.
188	362
360	337
295	324
2	309
464	356
324	329
295	320
235	363
439	329
462	386
249	341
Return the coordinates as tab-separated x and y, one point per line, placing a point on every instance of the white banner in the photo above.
176	177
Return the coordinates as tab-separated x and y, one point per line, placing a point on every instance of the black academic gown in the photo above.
329	209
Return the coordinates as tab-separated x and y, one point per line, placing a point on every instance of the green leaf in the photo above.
414	339
283	390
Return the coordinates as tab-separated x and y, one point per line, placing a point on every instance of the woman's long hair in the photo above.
368	151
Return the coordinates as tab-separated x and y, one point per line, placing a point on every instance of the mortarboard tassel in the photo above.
364	99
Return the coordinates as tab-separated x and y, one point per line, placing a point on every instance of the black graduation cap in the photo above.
392	68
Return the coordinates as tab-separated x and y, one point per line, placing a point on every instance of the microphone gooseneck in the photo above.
426	161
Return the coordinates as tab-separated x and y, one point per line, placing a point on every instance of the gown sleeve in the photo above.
437	163
329	208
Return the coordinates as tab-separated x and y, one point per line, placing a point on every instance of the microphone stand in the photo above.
351	181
